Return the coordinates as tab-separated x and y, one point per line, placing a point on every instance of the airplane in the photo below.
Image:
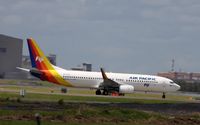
104	83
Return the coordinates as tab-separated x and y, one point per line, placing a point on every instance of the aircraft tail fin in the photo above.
38	59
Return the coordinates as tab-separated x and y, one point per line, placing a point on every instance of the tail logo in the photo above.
40	59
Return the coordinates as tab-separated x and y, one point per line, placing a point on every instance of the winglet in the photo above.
104	74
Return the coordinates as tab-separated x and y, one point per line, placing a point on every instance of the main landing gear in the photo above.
163	96
98	92
105	92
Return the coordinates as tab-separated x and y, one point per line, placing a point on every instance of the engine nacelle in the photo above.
126	89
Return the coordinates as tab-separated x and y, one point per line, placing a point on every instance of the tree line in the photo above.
189	86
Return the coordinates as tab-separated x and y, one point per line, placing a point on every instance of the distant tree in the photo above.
189	86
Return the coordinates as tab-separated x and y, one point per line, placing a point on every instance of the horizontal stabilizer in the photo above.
23	69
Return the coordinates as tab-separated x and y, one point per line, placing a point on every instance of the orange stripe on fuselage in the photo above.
50	77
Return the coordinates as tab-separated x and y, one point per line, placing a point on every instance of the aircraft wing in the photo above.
107	82
108	86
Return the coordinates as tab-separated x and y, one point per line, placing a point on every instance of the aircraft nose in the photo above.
177	87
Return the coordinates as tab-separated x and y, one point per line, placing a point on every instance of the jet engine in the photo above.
126	89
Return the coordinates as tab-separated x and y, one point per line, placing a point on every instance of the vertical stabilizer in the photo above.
43	69
38	59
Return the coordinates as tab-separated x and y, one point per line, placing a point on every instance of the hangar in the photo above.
10	55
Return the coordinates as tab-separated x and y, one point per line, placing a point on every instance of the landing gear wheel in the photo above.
98	92
121	94
105	92
163	96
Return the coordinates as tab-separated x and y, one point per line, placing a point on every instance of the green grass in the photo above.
15	122
197	98
72	98
51	91
56	90
84	114
18	122
83	110
111	115
87	114
46	87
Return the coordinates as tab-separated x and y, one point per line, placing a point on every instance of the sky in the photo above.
132	36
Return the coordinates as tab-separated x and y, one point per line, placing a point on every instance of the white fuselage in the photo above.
147	83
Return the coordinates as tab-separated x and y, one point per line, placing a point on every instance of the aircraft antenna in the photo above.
173	65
